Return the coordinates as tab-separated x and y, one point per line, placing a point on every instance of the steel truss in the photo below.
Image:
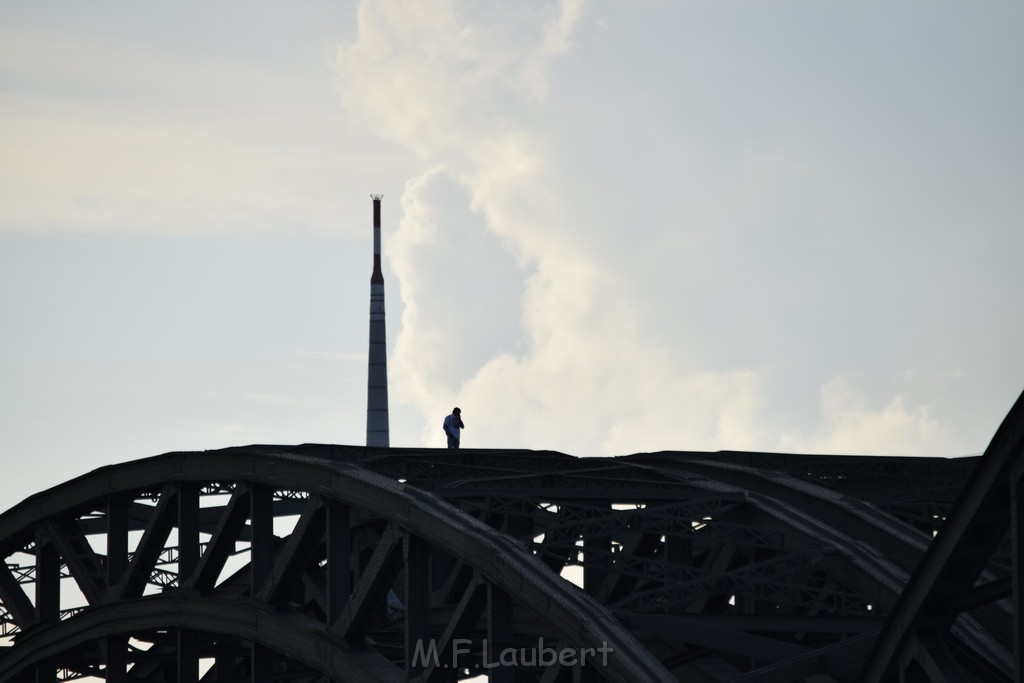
318	563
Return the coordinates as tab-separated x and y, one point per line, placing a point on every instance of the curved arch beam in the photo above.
883	547
577	618
296	637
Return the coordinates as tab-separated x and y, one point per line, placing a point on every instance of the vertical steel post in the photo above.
339	554
597	548
520	523
678	551
262	665
117	561
47	597
500	634
47	580
188	530
261	549
188	656
117	659
261	559
117	537
188	561
417	602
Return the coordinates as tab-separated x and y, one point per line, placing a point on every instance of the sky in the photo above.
609	227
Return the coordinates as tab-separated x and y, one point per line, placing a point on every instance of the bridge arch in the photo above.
315	563
381	538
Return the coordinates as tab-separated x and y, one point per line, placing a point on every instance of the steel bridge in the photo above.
333	563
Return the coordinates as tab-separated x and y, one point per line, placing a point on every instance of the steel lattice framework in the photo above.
333	563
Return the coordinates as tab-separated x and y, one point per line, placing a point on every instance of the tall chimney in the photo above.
377	375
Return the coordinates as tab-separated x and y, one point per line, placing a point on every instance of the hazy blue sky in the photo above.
609	227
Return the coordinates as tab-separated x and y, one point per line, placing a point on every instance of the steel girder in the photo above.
919	639
348	593
698	546
329	562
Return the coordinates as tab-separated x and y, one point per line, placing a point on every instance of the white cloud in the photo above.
433	76
566	359
626	226
851	425
577	375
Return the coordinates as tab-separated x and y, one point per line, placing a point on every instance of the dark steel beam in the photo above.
116	655
293	636
150	546
222	543
760	569
417	602
261	521
14	599
47	580
956	558
755	623
840	661
338	568
291	561
461	625
367	599
117	537
187	656
83	563
500	633
261	668
188	529
597	554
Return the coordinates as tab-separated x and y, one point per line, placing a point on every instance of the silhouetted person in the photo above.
452	426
